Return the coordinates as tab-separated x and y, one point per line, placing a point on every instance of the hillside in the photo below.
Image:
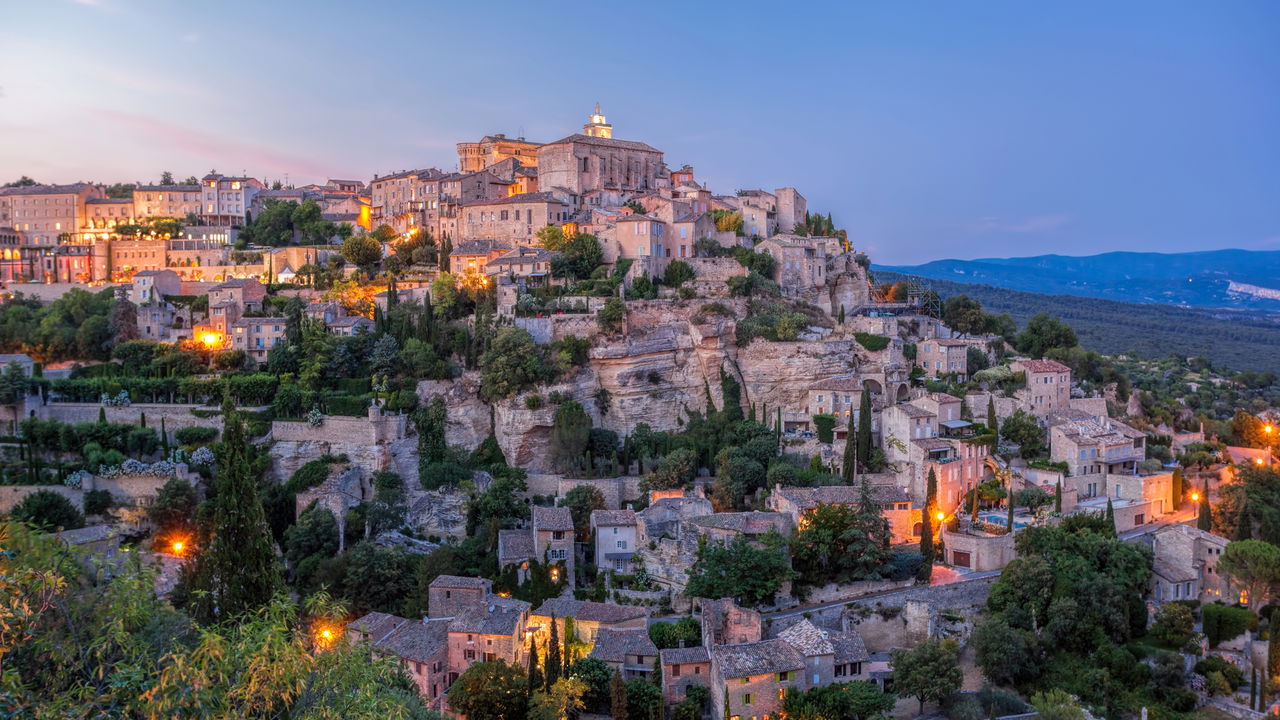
1238	340
1237	279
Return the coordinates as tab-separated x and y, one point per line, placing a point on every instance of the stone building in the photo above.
800	266
43	213
943	356
257	335
493	149
630	652
683	668
548	540
226	200
614	534
166	201
755	677
1186	565
407	201
589	618
582	163
1048	386
1094	448
470	257
895	504
514	219
422	647
150	286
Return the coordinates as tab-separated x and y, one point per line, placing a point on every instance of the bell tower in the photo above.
598	126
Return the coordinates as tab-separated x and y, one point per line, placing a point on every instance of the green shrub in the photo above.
533	401
1224	622
195	435
97	502
871	342
824	424
1233	675
309	475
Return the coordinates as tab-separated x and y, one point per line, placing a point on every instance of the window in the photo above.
557	535
469	654
785	676
747	698
675	671
622	544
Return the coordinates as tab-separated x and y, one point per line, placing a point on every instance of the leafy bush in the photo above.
610	316
97	502
194	435
533	401
48	510
1223	622
871	342
1233	675
824	424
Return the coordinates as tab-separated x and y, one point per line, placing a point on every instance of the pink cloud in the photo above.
227	154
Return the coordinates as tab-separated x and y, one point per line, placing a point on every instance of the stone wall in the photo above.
372	443
176	415
715	270
985	553
849	591
11	495
616	490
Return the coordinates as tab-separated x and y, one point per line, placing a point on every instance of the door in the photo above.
960	559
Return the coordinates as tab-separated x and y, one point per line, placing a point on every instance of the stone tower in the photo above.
597	126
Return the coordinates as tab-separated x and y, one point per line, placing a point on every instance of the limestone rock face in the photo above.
437	513
778	374
468	417
846	286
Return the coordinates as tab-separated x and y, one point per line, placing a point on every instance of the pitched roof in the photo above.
458	581
376	624
750	523
589	611
613	518
479	246
417	641
92	533
807	497
514	545
167	188
614	645
948	342
680	656
913	411
521	198
45	189
1043	366
551	518
758	658
523	254
808	639
495	616
605	142
849	647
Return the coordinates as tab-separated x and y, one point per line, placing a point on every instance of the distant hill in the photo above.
1236	279
1229	338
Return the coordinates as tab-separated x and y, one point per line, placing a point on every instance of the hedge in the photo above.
1225	622
871	342
195	435
256	389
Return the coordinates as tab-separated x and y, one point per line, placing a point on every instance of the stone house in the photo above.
614	534
487	631
589	618
689	228
683	668
349	325
150	286
943	356
800	266
512	220
447	595
839	396
257	335
581	163
226	200
166	201
629	652
1094	448
1048	386
527	266
725	623
1185	565
470	257
635	237
662	544
421	646
755	677
406	201
798	502
548	540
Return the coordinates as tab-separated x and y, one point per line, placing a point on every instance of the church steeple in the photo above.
598	126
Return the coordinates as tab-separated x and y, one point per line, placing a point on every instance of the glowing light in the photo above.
325	635
1195	497
1268	428
178	545
1258	461
209	339
555	574
941	516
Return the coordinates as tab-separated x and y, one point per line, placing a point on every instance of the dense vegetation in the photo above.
1237	340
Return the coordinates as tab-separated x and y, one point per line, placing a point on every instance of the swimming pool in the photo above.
1001	519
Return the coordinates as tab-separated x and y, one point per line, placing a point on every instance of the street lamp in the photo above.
1195	497
941	516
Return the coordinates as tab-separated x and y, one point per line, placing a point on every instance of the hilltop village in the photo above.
567	433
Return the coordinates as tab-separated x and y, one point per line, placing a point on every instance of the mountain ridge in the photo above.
1227	279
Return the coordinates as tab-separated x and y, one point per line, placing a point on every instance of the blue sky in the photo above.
928	130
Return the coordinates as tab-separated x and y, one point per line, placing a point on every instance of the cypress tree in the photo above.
240	571
993	421
864	427
1009	500
102	416
164	439
1178	488
731	392
535	675
142	420
973	502
1111	515
849	469
752	416
1204	520
1273	656
1057	497
618	697
1244	530
926	533
553	656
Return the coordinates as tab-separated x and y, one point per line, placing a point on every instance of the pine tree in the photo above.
864	427
1057	497
553	655
617	697
1178	488
1204	520
535	674
926	533
239	570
